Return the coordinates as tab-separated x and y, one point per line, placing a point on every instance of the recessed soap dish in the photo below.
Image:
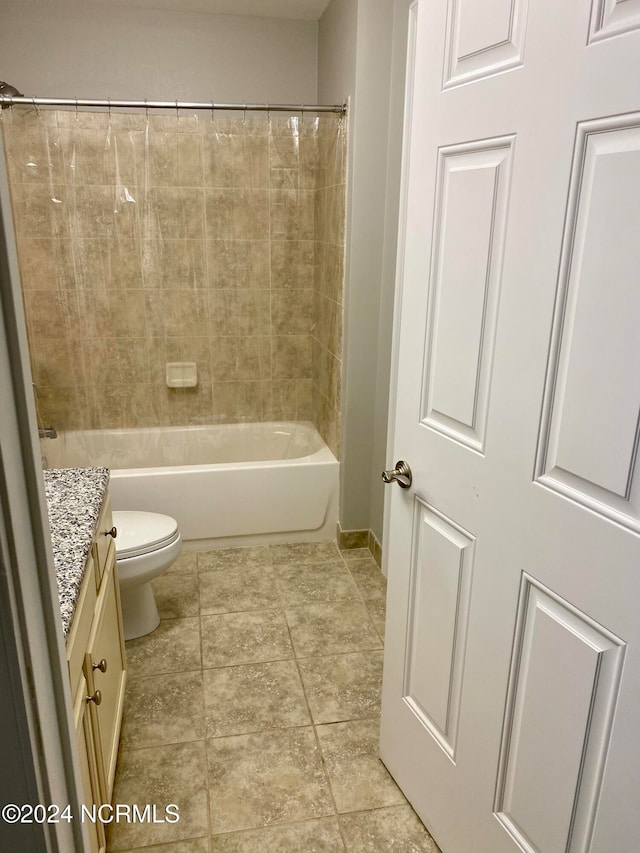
182	374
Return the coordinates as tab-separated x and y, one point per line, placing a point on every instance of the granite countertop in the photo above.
74	501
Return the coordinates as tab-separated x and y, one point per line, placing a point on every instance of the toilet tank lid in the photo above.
141	532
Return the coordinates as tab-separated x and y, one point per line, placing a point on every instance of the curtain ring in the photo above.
177	111
213	111
146	110
301	114
109	108
244	114
76	109
268	114
37	108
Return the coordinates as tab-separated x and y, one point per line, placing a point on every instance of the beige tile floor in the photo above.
255	708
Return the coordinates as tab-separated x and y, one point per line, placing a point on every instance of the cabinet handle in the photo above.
113	532
96	697
102	665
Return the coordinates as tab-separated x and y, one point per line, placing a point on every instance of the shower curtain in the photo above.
207	240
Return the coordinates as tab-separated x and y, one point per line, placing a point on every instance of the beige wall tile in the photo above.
40	210
121	360
237	214
174	264
238	263
239	312
34	154
176	312
292	264
236	160
291	357
112	313
292	214
107	264
292	312
291	400
178	212
240	401
238	358
46	263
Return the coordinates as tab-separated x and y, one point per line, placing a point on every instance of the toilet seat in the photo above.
142	533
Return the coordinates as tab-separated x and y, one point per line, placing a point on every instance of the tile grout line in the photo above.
204	710
317	739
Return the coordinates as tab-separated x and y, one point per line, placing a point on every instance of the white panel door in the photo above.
511	695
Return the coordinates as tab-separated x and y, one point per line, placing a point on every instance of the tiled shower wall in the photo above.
206	239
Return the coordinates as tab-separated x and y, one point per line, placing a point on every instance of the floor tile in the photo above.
377	609
359	780
173	647
313	836
369	579
253	698
177	595
226	558
307	583
392	830
161	775
187	563
163	709
234	638
324	629
343	687
193	845
266	778
236	589
304	552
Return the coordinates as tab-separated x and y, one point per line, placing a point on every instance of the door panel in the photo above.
613	17
591	431
439	609
565	662
472	190
483	38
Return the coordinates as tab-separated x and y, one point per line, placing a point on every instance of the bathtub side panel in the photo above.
228	502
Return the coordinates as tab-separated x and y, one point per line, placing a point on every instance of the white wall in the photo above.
374	148
77	50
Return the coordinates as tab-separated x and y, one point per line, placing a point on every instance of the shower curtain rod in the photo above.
108	103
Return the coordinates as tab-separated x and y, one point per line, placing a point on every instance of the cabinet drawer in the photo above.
103	541
106	652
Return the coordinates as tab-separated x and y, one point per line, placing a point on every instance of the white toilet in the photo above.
146	545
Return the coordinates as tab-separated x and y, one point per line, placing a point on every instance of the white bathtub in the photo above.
226	485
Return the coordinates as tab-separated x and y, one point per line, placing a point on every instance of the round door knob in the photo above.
101	665
113	532
95	697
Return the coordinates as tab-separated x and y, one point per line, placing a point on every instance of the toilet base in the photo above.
139	611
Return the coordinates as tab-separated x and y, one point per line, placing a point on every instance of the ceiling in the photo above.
310	10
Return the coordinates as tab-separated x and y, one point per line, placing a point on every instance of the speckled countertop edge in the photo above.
74	500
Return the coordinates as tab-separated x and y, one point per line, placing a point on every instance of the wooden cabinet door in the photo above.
94	831
106	646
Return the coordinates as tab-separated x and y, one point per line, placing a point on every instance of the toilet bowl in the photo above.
146	545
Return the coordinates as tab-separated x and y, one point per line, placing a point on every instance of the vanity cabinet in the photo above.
97	669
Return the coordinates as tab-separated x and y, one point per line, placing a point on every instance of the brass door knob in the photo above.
95	697
101	665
